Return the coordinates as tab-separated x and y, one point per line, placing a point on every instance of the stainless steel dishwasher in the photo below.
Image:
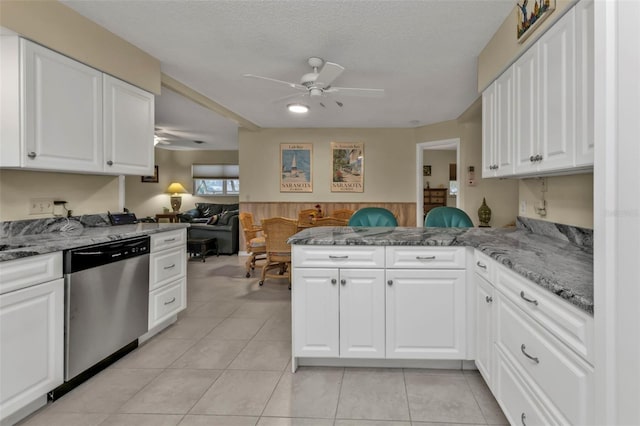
106	301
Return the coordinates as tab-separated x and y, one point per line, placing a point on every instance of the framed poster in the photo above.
295	167
347	167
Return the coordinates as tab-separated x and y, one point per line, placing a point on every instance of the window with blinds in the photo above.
216	179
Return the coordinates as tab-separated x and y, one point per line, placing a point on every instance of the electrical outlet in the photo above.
523	207
41	206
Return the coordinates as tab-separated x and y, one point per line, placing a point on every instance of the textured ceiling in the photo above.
423	53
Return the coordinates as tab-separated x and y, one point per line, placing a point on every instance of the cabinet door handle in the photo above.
523	417
538	157
109	163
532	158
481	265
425	257
333	281
390	282
532	301
173	265
532	358
343	282
32	155
489	299
338	257
170	301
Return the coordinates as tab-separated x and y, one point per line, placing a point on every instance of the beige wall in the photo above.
569	199
62	29
84	193
389	164
147	199
503	48
439	161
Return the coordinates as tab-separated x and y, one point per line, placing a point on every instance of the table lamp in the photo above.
176	200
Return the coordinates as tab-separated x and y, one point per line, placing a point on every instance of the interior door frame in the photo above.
433	145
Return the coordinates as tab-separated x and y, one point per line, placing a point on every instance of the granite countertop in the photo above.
21	246
562	267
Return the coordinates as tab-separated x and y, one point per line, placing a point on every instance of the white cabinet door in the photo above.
504	131
362	331
315	299
584	83
62	112
525	71
31	344
128	128
425	314
556	125
484	328
489	162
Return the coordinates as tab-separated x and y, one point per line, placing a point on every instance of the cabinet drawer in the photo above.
21	273
420	257
484	266
166	266
519	405
559	377
338	256
167	301
165	240
571	325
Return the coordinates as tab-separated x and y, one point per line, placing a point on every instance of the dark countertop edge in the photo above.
541	280
60	241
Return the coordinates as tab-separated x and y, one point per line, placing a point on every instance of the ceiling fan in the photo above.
317	83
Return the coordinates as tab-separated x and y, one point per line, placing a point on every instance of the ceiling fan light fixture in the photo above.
298	108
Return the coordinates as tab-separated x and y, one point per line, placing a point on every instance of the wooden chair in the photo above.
276	232
330	221
342	214
305	217
255	245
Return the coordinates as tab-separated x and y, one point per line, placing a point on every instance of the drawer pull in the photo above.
338	257
532	301
425	257
173	265
481	265
523	417
168	240
343	282
532	358
170	301
333	281
489	299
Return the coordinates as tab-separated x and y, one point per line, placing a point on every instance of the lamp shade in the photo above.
176	188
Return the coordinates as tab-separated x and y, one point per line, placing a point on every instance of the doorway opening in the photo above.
434	168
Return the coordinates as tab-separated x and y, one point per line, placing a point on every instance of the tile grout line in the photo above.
406	391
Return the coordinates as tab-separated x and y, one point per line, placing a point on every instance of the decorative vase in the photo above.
484	213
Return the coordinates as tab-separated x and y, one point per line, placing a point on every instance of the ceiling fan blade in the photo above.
292	85
289	97
328	73
354	91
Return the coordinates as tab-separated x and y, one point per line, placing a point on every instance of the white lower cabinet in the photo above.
167	279
423	314
533	352
31	339
351	306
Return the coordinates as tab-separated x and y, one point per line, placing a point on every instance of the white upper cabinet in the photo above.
61	115
128	130
538	115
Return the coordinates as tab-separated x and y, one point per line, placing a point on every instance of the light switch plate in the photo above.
41	206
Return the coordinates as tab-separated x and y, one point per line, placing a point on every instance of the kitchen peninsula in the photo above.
518	303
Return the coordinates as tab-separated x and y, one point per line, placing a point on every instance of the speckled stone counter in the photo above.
558	265
25	245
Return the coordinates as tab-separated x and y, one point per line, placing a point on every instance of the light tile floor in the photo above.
226	362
